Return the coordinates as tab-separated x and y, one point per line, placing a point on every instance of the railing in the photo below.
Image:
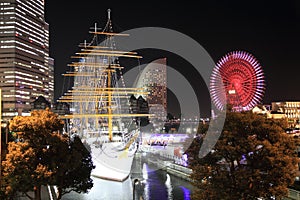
294	194
183	169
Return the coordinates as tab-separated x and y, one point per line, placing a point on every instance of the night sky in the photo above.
269	30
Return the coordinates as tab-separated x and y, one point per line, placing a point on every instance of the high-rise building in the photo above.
26	70
154	79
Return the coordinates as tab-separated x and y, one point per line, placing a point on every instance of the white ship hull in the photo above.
112	160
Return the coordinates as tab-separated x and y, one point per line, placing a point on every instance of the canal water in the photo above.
152	183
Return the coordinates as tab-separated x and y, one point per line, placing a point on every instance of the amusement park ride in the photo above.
237	80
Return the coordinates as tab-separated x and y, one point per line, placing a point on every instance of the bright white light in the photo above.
145	172
231	92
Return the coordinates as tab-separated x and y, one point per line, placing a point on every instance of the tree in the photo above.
74	173
42	155
139	106
170	116
25	163
22	172
253	158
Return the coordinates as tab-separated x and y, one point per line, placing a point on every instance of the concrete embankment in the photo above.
179	171
170	167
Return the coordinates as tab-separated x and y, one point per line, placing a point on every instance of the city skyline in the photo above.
268	30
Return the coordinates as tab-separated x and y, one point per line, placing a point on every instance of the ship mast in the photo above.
85	94
109	105
109	85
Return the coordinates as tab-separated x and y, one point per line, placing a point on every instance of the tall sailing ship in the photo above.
100	110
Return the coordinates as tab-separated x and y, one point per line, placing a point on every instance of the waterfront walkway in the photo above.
47	193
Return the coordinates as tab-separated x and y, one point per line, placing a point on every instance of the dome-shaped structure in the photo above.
237	80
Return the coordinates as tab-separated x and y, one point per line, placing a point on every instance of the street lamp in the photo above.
0	147
135	182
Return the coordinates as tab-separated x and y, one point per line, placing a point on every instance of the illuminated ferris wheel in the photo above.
237	80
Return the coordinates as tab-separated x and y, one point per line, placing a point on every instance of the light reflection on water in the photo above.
163	186
169	187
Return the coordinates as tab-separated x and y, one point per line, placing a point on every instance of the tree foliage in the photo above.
74	172
253	158
41	155
19	172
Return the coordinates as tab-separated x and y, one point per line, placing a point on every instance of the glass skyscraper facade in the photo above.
154	79
26	70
